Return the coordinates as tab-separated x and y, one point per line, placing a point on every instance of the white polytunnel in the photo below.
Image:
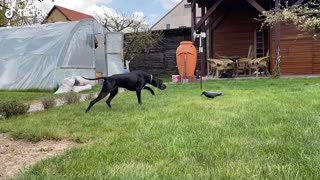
42	56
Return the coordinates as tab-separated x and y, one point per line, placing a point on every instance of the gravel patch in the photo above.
16	155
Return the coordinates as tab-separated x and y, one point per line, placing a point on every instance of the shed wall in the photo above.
299	52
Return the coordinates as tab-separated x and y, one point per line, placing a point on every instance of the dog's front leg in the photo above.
138	92
148	88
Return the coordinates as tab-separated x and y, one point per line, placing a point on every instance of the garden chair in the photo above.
243	66
259	64
215	66
228	65
219	65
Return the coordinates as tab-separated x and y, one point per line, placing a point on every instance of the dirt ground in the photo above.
16	155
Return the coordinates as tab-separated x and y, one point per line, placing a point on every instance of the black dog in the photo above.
133	81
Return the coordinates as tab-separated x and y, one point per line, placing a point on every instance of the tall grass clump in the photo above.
72	97
89	97
48	102
12	108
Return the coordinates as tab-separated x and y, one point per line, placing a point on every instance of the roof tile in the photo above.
73	15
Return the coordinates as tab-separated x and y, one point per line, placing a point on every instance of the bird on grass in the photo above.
211	94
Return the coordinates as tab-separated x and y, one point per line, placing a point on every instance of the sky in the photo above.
152	10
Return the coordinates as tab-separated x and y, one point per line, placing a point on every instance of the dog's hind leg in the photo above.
100	96
113	93
148	88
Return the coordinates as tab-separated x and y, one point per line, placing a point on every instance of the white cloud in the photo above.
169	4
139	15
95	8
97	11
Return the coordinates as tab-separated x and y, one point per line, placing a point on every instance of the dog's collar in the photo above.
151	78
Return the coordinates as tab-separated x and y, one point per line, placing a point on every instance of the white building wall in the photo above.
179	16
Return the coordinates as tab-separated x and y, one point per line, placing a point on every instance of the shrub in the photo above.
48	102
12	108
90	96
2	115
72	97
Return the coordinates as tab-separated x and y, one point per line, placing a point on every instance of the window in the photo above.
198	19
168	26
187	5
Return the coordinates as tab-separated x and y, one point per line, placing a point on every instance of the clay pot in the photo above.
186	56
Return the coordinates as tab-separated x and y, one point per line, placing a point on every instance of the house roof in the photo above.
71	15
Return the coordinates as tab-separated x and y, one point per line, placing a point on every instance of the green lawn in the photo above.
34	94
24	95
260	129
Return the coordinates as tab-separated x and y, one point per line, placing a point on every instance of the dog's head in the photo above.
158	83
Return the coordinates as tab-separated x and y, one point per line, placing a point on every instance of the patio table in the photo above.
232	58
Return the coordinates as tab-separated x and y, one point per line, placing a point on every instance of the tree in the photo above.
3	9
17	19
305	17
139	38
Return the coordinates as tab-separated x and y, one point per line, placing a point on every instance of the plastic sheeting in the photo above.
114	41
42	56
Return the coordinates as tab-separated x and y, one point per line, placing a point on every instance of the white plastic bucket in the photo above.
185	81
175	78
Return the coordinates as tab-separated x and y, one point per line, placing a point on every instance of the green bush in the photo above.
12	108
48	102
2	116
90	97
72	97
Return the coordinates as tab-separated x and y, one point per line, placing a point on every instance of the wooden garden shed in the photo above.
232	27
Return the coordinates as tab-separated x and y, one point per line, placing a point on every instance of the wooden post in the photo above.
193	19
205	15
277	44
203	45
209	39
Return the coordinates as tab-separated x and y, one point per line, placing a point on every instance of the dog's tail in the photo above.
104	78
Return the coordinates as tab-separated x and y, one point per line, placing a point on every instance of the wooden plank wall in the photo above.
235	34
161	60
299	52
316	56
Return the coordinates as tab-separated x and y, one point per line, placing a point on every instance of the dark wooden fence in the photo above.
161	60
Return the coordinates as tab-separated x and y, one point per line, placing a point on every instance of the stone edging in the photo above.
37	106
34	107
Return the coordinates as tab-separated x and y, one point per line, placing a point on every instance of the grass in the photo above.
260	129
24	95
34	94
166	78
